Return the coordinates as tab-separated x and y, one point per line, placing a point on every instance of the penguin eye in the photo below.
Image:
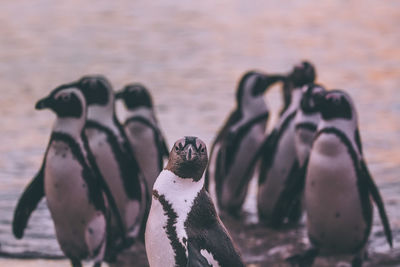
202	150
176	148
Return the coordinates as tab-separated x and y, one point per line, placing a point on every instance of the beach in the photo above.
191	56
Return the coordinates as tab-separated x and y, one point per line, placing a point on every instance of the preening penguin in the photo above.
183	228
302	74
338	184
73	191
280	168
113	155
237	142
143	131
306	120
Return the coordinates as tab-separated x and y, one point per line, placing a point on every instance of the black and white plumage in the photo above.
116	161
280	168
306	121
302	74
143	131
72	188
237	141
338	186
183	228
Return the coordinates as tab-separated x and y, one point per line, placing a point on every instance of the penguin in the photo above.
280	168
296	79
117	163
143	131
73	191
338	185
183	228
306	121
237	141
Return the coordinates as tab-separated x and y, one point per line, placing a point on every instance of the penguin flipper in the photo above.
373	189
289	202
262	152
195	259
266	152
205	229
234	138
28	203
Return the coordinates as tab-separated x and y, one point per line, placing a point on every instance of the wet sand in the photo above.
191	56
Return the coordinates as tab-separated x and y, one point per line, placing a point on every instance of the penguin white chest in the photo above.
64	185
158	246
303	142
335	219
165	230
67	198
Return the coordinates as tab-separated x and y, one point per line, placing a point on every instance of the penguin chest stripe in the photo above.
180	251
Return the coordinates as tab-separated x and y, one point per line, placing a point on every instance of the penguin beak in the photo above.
267	81
271	79
119	95
189	152
44	103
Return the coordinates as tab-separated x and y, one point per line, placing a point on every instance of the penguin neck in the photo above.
296	98
302	117
293	107
144	112
70	126
347	127
252	106
177	188
104	115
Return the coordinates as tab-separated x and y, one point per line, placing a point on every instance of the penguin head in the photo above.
66	102
188	158
311	96
336	104
252	85
97	90
135	95
302	74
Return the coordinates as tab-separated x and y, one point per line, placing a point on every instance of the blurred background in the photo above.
190	54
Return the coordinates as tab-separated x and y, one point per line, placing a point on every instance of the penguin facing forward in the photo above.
306	121
280	168
339	187
117	163
183	228
143	131
237	141
73	192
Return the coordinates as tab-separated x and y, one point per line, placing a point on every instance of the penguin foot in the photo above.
303	260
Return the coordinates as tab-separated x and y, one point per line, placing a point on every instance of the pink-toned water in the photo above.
191	55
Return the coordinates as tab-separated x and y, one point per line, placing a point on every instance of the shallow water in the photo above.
191	56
